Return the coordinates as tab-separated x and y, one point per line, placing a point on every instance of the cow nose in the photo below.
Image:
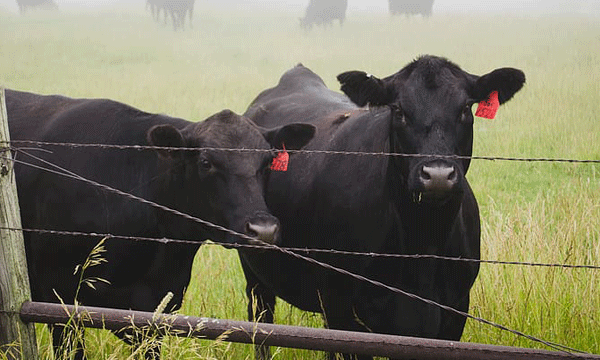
264	230
438	178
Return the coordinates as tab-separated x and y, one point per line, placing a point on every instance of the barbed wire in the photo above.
300	151
72	175
303	250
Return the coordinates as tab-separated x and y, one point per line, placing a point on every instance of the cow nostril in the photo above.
453	177
425	174
250	231
263	232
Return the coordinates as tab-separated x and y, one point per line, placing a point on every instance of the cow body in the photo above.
411	7
225	188
25	5
395	205
324	12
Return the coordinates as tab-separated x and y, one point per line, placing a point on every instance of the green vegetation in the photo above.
541	212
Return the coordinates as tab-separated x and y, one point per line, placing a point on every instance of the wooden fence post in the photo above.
17	339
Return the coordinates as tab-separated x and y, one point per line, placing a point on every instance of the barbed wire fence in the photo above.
294	252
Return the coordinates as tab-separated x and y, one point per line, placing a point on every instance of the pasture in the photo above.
544	212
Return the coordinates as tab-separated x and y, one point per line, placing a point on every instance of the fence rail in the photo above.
397	347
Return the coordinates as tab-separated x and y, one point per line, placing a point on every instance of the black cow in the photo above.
411	7
394	205
324	12
177	9
225	188
155	7
24	5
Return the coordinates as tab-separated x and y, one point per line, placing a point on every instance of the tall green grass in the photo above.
542	212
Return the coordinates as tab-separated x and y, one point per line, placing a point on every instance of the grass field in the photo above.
539	211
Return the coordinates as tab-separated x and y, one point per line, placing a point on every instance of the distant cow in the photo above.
376	204
324	12
155	6
177	9
223	187
24	5
411	7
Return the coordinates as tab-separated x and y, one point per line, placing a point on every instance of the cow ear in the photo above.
365	89
293	136
507	81
165	136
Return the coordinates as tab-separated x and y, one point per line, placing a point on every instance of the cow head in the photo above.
430	102
226	187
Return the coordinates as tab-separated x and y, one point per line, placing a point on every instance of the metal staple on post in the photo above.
16	337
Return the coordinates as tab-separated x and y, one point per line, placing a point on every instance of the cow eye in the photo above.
399	115
467	114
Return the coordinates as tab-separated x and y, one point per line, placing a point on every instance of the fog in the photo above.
531	7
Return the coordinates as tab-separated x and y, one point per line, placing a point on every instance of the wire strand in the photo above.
301	151
305	250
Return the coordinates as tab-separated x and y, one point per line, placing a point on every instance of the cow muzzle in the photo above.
264	228
436	181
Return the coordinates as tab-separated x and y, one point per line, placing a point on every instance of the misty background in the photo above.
524	7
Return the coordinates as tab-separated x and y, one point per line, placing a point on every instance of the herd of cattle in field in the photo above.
420	204
318	12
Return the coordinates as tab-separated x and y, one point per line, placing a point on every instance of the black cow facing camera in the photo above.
410	205
222	187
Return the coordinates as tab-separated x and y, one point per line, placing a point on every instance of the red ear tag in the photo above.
280	163
488	108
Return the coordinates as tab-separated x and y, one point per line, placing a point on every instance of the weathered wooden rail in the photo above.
397	347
